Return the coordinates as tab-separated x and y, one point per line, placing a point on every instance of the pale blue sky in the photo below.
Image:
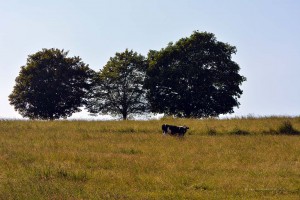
265	32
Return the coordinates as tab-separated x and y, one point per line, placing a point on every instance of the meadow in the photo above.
242	158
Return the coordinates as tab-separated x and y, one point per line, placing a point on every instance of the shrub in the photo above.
287	128
237	131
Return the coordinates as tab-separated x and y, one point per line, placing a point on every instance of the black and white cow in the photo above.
174	130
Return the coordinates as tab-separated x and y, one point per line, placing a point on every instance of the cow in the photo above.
174	130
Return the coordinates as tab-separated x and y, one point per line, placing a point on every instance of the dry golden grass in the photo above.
132	160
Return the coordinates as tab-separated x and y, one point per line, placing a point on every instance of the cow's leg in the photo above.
169	131
166	130
163	127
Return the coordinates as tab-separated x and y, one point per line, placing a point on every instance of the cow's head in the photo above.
183	129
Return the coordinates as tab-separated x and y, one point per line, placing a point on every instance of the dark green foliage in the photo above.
195	77
118	87
51	85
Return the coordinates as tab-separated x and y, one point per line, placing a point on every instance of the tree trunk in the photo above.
187	113
124	115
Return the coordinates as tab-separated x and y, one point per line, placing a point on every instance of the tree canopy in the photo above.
51	85
195	77
118	88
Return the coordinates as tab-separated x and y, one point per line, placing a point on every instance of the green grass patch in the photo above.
244	158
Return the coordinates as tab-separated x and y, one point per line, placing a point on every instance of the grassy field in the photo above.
244	158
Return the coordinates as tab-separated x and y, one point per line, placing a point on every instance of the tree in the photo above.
119	86
195	77
51	85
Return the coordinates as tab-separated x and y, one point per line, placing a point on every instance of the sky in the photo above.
265	33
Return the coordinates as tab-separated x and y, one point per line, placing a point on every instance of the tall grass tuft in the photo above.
237	131
287	128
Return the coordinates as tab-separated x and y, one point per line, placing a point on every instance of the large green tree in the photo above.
195	77
51	85
118	89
